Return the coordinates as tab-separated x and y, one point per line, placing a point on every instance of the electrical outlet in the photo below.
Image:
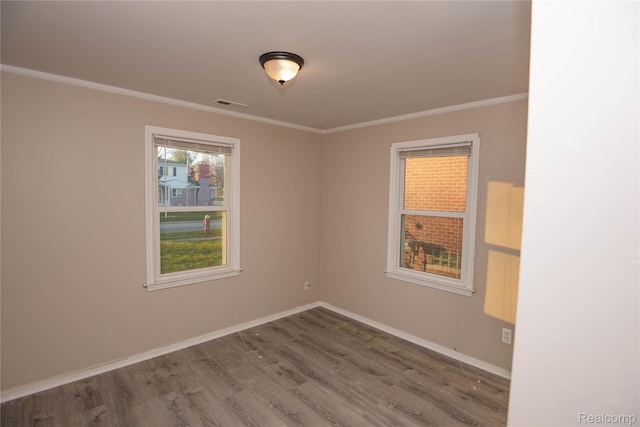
506	335
307	285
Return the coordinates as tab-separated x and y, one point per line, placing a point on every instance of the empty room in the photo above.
385	213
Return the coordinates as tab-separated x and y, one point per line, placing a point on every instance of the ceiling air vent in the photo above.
226	103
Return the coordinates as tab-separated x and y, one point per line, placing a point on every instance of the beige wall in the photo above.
355	186
313	208
73	243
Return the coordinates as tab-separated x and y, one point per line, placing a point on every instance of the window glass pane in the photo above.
188	243
197	178
436	184
432	244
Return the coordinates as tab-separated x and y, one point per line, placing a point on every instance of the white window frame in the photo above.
464	285
155	280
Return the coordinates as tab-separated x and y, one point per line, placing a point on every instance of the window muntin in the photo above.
193	210
432	212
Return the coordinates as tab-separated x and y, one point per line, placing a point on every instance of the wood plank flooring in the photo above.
316	368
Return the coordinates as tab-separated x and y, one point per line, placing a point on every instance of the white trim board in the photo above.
38	386
421	342
147	96
433	112
35	387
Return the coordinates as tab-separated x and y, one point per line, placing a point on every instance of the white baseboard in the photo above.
421	342
38	386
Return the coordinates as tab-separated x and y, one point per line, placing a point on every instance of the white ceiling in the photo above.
364	61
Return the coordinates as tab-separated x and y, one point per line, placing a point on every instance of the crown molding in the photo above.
176	102
149	97
435	111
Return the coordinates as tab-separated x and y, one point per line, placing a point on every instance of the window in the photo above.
432	212
165	171
192	207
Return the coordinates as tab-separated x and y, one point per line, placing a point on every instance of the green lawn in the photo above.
193	235
181	255
188	216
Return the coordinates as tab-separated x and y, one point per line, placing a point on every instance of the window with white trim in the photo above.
432	212
192	213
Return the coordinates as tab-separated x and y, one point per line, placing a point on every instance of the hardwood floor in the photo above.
316	368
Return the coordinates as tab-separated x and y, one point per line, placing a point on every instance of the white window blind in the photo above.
463	149
193	145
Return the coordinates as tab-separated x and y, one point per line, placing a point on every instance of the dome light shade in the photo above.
281	66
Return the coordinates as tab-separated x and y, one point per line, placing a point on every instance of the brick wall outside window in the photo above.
434	244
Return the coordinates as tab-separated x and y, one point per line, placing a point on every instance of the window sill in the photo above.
418	280
184	281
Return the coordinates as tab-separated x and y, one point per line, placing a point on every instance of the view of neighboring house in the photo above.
175	188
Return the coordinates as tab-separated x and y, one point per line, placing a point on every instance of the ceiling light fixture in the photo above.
281	66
